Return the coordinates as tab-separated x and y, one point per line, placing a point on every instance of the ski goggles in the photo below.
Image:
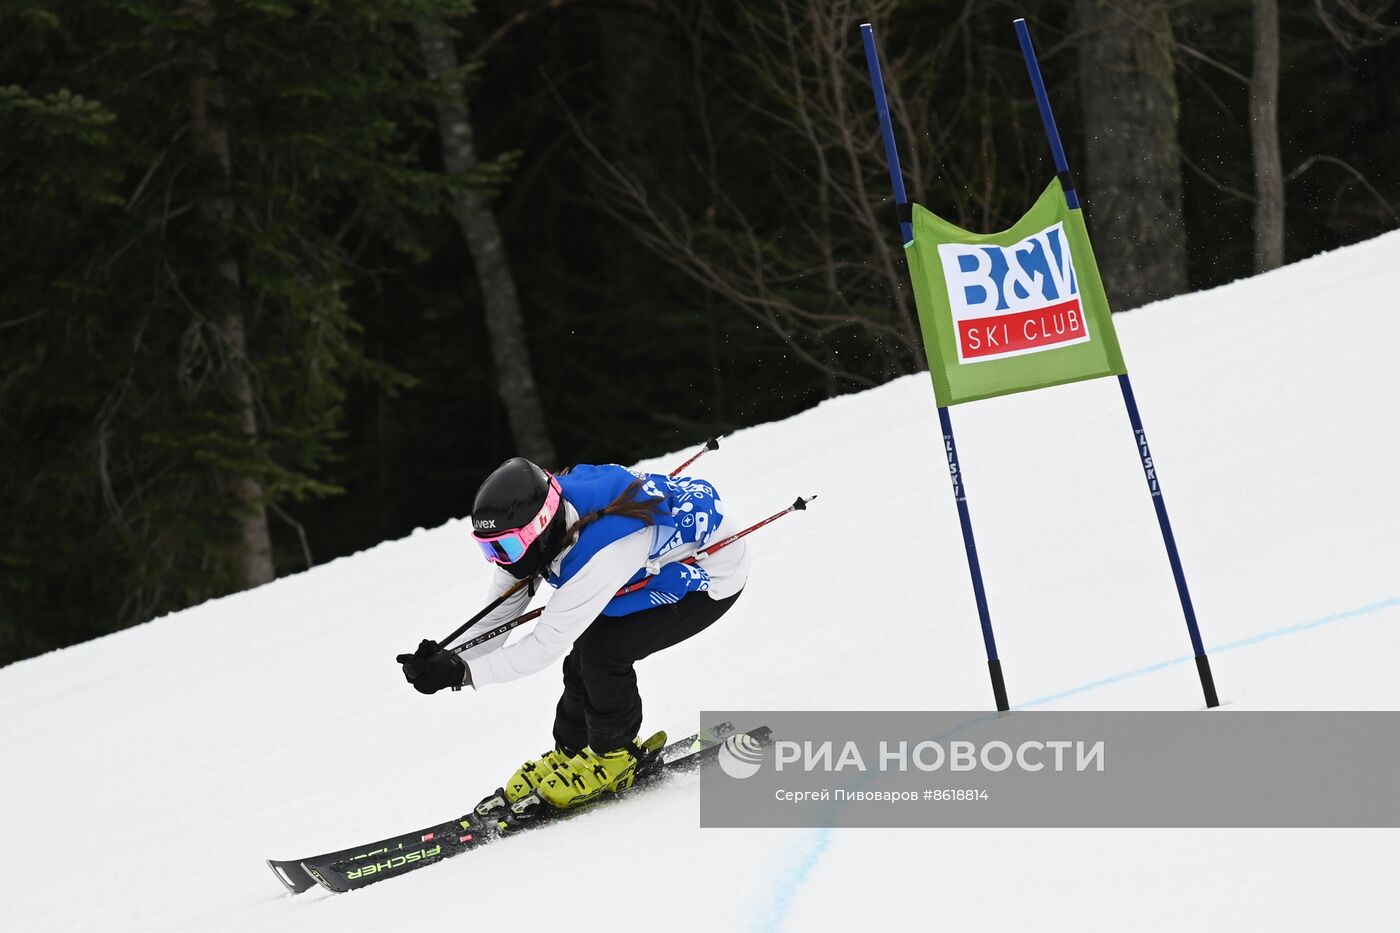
509	546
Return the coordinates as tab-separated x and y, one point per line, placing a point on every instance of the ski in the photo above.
359	866
401	854
298	879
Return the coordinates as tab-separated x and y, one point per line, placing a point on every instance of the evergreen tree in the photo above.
185	191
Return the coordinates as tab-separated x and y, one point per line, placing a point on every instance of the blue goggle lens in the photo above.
505	550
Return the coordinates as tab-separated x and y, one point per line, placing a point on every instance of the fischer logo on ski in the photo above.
398	861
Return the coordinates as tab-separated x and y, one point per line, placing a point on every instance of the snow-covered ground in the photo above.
146	775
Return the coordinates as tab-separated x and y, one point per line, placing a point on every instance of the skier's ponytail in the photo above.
626	504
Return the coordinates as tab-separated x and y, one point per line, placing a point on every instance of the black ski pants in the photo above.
601	707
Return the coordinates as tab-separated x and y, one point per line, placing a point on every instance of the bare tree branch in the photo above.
1357	26
1312	160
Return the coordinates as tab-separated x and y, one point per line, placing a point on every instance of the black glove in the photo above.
431	669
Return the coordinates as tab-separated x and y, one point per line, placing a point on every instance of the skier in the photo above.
589	532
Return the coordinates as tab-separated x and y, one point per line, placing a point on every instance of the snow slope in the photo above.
146	775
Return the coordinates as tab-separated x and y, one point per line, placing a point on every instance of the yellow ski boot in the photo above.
585	778
521	783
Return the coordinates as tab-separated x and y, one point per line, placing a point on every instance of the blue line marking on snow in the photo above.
801	870
1217	649
796	877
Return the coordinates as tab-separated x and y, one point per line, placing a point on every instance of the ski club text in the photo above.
1013	300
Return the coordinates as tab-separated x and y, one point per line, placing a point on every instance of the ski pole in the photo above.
516	588
798	506
711	444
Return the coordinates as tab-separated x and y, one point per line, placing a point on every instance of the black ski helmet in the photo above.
509	499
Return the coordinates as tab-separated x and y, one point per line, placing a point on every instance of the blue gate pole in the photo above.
906	230
1052	132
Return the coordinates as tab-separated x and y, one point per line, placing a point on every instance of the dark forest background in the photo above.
280	280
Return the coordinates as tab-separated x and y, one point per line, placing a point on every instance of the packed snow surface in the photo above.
148	774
